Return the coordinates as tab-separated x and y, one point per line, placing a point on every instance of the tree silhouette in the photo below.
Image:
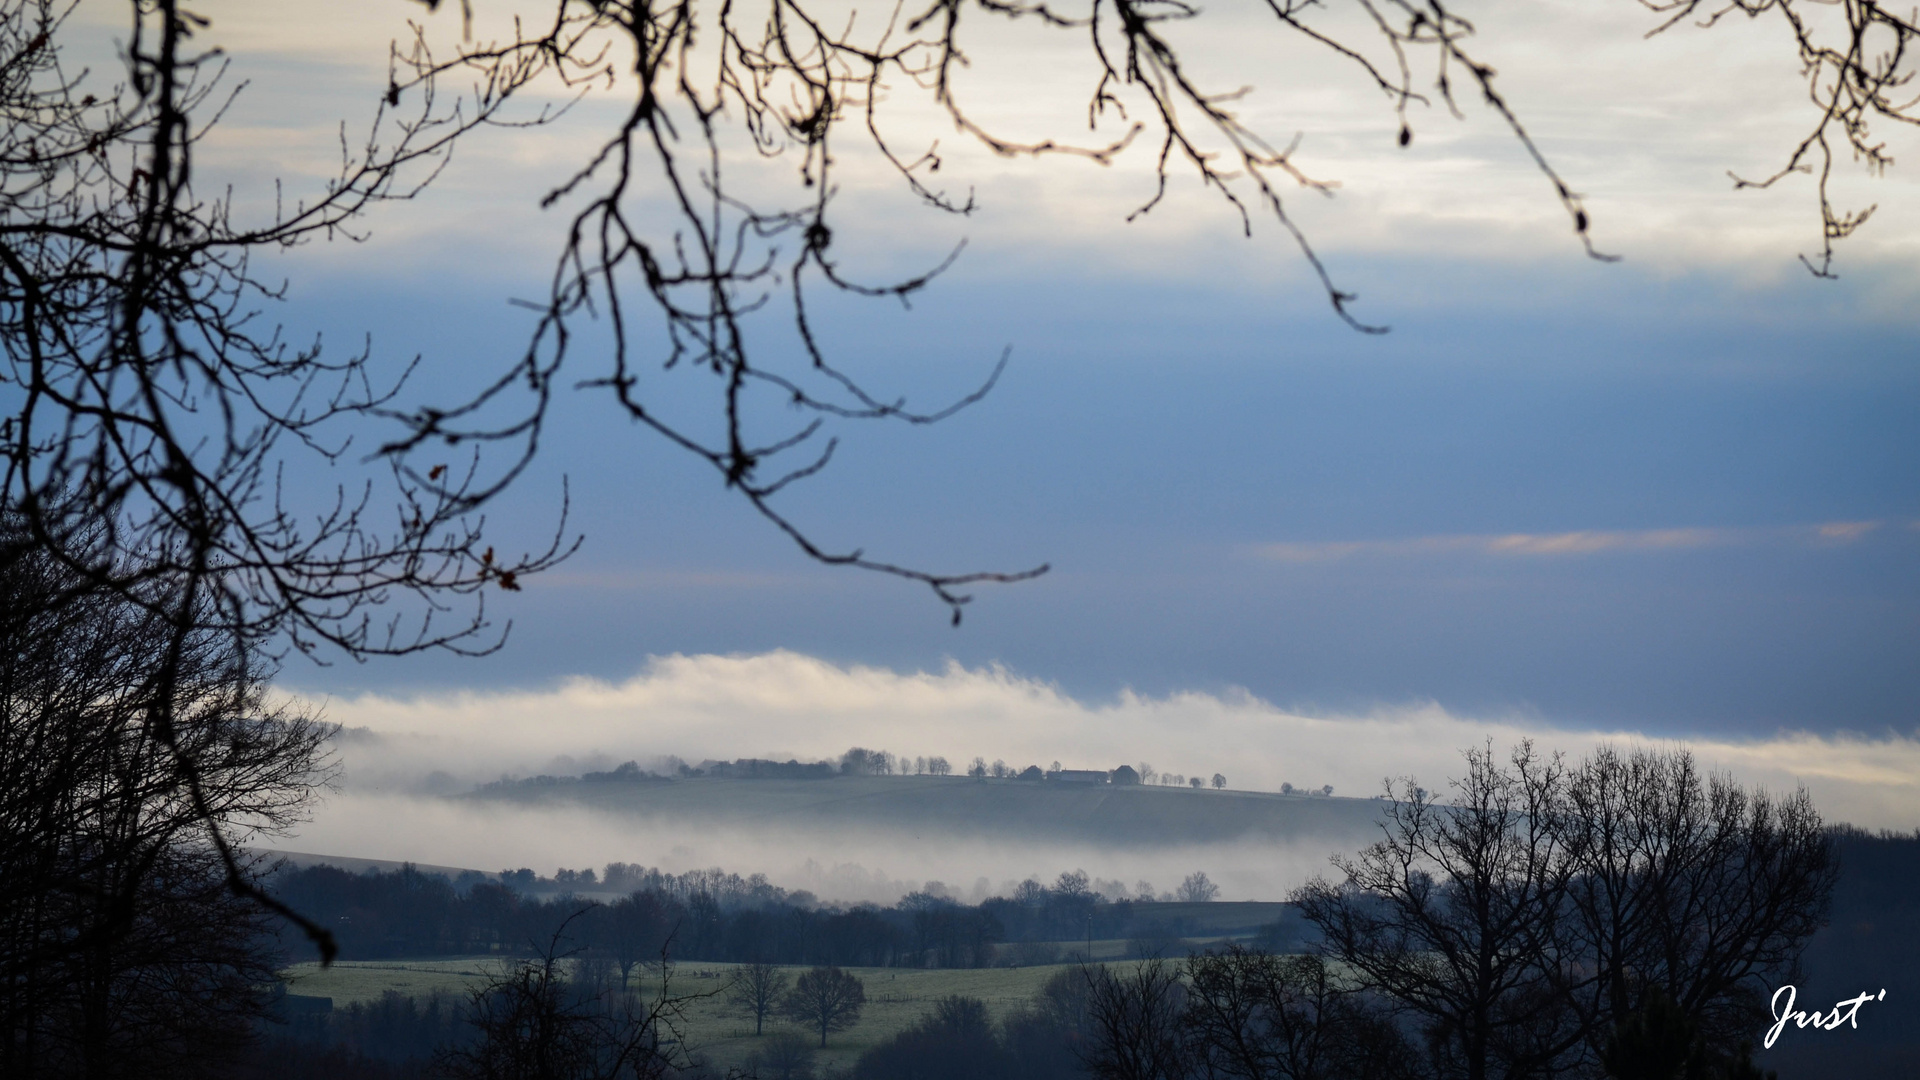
825	999
757	990
1550	915
122	945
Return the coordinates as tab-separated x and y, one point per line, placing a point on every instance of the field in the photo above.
896	997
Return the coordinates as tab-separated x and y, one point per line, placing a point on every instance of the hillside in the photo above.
1100	814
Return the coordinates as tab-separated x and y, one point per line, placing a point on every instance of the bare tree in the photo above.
534	1023
1251	1015
120	944
1072	884
1550	919
757	990
1689	896
633	929
1857	74
1453	914
825	999
1135	1016
1197	889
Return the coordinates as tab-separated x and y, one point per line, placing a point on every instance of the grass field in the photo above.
896	997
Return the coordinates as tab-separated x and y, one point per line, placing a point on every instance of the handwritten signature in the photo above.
1846	1012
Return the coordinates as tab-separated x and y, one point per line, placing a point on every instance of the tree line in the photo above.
711	915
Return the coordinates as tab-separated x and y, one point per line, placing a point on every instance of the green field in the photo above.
896	997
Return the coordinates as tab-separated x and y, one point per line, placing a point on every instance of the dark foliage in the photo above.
826	1000
956	1041
1137	1023
1547	919
1251	1015
1869	944
534	1022
127	939
783	1055
1043	1039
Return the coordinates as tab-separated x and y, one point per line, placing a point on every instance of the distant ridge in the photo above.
1103	814
305	859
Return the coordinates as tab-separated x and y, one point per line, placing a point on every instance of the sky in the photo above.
1672	498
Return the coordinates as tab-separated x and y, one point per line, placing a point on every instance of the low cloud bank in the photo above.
399	753
839	865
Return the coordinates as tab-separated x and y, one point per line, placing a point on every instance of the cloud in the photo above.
784	704
1583	542
1845	532
1646	129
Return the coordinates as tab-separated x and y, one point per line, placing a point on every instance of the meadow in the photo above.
714	1029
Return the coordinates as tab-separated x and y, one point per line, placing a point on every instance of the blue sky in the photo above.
1155	458
1678	495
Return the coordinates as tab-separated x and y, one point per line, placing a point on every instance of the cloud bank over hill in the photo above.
401	755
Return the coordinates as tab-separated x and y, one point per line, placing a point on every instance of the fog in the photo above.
403	758
838	865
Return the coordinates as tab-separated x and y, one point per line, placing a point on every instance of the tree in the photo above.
122	944
954	1041
533	1023
1072	884
757	990
1219	781
1690	899
1135	1017
1549	918
826	999
1197	889
633	929
1453	914
784	1055
1251	1015
937	766
978	770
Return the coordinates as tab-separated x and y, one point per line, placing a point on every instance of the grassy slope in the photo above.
1101	814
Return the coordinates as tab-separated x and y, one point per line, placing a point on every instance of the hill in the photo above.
1100	814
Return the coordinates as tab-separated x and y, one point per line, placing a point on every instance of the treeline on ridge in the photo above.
860	761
